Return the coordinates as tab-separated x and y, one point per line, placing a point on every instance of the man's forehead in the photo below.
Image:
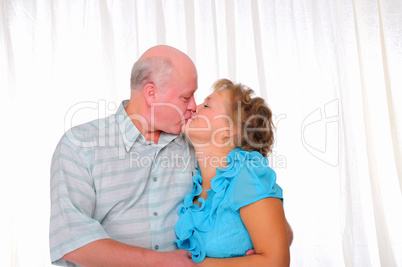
188	92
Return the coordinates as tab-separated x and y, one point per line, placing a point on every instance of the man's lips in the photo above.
191	118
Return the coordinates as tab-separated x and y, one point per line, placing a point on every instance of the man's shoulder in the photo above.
89	133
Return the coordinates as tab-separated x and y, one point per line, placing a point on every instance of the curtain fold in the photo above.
330	71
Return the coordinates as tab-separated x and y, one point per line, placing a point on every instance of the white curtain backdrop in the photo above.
331	70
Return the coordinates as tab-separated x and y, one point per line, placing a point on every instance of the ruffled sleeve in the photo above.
255	181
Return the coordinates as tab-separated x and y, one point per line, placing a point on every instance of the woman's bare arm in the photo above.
265	221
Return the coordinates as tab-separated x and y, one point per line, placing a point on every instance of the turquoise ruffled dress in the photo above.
215	229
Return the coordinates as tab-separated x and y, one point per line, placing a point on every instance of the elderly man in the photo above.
116	182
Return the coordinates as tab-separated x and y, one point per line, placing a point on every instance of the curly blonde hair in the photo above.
251	115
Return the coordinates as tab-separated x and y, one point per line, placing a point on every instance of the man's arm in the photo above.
108	252
77	237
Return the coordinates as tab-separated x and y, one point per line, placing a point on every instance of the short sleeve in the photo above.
72	202
253	183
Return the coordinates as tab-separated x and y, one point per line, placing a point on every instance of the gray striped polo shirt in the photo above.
107	181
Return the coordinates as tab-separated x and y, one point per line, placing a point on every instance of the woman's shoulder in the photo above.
245	165
250	161
254	179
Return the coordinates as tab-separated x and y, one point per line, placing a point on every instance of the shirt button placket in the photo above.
155	222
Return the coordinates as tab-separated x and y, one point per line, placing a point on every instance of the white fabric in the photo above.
330	70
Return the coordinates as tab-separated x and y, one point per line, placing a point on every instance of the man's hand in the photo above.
180	258
250	252
108	252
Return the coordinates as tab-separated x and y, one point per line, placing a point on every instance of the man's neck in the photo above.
142	123
152	136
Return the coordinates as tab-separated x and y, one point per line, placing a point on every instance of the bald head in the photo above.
163	51
163	83
159	65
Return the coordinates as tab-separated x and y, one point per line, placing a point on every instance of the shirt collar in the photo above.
131	134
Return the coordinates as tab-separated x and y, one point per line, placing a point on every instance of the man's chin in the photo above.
179	128
176	130
184	129
183	125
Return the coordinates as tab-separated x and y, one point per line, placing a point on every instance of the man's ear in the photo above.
150	93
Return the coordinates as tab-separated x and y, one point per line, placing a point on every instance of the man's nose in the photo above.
192	106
